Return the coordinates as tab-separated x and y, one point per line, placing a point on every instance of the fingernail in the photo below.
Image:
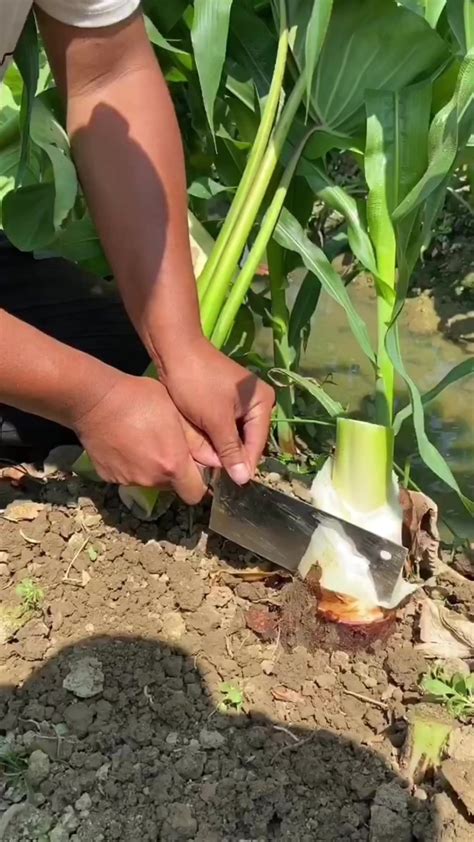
239	473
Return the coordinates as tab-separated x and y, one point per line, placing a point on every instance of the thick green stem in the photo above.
362	469
255	158
385	386
213	302
281	350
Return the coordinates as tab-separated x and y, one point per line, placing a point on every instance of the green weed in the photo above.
30	594
456	692
232	697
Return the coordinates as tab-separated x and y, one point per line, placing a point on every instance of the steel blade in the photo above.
279	528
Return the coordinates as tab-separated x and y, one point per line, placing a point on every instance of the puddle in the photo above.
428	357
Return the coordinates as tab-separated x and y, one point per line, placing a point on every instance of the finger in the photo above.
256	424
199	446
189	483
226	440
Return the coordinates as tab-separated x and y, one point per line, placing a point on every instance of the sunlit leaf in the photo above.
27	216
315	35
291	235
363	49
461	20
281	377
209	36
27	60
428	452
450	129
428	9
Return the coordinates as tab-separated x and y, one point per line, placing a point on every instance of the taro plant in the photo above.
265	92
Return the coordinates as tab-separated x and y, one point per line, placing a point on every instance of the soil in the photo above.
113	707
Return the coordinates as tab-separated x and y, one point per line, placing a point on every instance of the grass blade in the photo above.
428	452
459	372
209	38
27	60
309	384
315	35
291	236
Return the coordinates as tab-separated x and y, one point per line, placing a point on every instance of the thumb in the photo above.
230	450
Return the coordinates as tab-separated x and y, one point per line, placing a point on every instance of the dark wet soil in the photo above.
139	703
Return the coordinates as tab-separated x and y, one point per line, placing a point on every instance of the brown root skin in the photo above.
303	623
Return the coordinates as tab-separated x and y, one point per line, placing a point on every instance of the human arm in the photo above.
129	426
128	150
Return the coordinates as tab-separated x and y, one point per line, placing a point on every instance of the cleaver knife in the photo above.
279	528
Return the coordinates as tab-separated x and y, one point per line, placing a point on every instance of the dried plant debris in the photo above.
444	633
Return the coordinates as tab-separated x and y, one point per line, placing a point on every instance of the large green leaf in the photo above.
428	452
291	235
450	131
27	216
27	60
252	49
340	200
303	309
209	36
315	35
396	156
49	135
428	9
461	20
459	372
370	44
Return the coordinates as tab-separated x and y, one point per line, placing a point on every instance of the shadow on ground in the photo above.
149	757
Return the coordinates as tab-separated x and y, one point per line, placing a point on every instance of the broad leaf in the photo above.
27	216
308	384
428	9
206	188
156	38
449	131
49	135
302	312
461	20
370	44
428	452
209	36
290	235
27	60
252	49
459	372
315	35
338	199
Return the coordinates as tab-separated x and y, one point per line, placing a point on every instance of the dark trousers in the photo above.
76	308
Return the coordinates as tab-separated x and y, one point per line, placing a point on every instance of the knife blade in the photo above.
279	528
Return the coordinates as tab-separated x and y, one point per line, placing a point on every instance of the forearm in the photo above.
128	151
45	377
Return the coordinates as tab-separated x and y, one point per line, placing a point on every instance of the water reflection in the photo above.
428	357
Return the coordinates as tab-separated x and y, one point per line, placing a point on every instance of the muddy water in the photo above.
428	356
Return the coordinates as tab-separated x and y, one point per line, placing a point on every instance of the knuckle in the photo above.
230	449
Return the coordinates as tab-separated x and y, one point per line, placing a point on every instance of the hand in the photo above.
228	403
136	436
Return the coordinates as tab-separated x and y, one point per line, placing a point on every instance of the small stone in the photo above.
211	739
4	568
191	765
39	766
3	557
182	821
325	681
20	510
78	717
389	820
172	738
173	626
59	834
153	558
86	678
83	803
340	660
272	478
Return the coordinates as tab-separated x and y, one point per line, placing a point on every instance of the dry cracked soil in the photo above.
137	702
